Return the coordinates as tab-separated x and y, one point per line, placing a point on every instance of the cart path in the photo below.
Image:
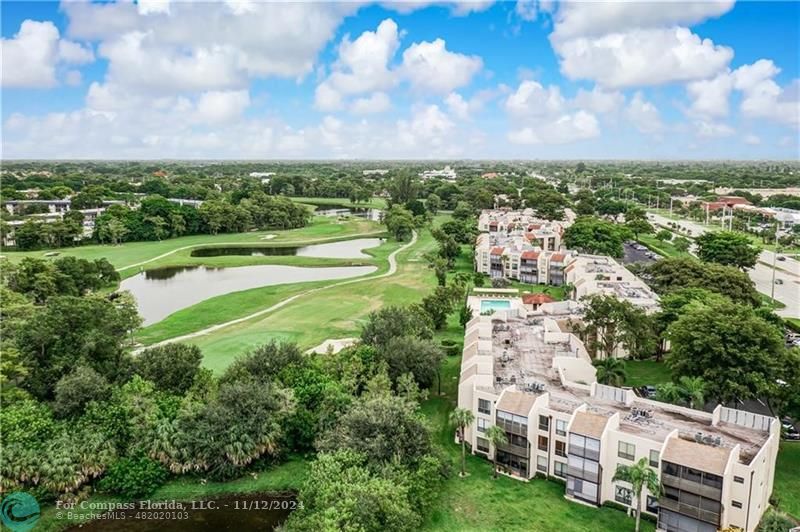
249	243
392	258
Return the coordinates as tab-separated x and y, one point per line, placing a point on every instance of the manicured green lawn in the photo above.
787	478
666	249
375	203
646	372
126	257
236	305
336	312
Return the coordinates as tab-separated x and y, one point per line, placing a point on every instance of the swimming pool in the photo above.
494	304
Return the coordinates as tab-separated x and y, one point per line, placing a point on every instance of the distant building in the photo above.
724	202
379	171
445	173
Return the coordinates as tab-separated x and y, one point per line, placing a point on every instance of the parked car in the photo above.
649	391
792	436
781	257
778	281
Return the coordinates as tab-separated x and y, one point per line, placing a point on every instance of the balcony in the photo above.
691	486
516	450
585	453
583	474
514	428
691	511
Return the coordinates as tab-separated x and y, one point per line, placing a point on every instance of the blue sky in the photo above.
531	79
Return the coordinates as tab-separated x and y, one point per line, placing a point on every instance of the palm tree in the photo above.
611	371
639	476
669	392
496	436
693	390
462	418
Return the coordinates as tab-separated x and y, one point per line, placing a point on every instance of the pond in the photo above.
329	209
344	249
162	291
233	513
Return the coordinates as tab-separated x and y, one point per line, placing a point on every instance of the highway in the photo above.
787	271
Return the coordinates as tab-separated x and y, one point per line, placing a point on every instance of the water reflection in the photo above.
344	249
161	292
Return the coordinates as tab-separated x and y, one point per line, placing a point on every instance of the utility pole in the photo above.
670	205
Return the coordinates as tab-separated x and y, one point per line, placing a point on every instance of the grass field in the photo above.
235	305
126	256
335	312
646	372
666	249
375	203
787	478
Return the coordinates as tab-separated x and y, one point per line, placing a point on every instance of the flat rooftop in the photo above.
522	357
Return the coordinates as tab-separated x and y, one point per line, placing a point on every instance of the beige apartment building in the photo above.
600	274
523	371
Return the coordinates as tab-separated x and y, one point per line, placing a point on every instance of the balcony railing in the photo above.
583	474
513	428
688	510
517	450
584	452
691	486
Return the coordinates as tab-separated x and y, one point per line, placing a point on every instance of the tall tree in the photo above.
594	235
461	418
496	436
639	476
611	371
738	354
728	248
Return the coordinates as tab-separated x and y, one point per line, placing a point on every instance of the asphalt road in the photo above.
787	271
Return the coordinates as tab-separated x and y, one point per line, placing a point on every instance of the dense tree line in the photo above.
157	218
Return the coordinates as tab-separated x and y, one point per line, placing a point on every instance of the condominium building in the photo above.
526	373
599	274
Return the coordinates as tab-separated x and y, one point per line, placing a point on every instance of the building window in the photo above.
484	406
541	463
561	427
736	504
561	448
544	423
623	495
483	424
654	456
483	445
626	450
560	469
738	480
652	505
543	443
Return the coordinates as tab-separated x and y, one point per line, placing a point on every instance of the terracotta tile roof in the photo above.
497	251
536	299
516	402
587	424
534	227
697	455
530	254
557	257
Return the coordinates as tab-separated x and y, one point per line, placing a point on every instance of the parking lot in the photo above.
635	252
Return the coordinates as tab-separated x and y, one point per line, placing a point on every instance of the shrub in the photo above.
133	477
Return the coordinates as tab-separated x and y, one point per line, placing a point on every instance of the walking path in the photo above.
247	243
391	271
